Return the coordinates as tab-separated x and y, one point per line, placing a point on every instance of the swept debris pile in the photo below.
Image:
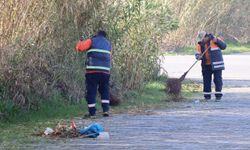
63	130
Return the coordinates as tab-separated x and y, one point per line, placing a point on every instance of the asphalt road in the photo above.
237	66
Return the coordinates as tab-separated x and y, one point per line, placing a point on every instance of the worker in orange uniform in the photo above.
212	62
98	65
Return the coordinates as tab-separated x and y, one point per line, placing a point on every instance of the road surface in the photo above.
192	126
237	66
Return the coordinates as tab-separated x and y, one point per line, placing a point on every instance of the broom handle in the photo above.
198	59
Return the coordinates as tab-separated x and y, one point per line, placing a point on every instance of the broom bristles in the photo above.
114	100
174	86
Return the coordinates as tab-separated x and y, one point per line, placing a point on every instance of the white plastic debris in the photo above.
48	131
103	136
197	101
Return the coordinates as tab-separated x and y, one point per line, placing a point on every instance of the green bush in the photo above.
8	110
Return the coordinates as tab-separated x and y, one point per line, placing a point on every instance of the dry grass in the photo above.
228	18
37	45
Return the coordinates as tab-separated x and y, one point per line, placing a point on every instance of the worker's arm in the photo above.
218	41
83	46
222	45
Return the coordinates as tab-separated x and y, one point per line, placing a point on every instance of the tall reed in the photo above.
38	37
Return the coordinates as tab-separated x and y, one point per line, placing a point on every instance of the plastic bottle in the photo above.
48	131
103	136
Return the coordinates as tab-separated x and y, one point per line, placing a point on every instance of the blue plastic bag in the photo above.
92	131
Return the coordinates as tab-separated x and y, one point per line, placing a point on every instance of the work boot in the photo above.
218	98
88	116
105	114
207	98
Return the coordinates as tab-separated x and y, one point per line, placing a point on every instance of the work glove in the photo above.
211	37
197	56
81	38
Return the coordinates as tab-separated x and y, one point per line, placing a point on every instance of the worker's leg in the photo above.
104	91
207	78
218	83
91	87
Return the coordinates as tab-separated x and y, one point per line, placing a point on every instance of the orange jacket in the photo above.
208	59
82	46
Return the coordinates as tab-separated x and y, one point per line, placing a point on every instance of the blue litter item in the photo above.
92	131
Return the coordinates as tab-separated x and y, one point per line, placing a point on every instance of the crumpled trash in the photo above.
92	131
197	101
48	131
73	124
103	136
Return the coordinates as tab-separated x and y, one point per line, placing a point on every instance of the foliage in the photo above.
8	110
230	18
37	57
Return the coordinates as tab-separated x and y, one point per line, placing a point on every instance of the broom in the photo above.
174	84
184	75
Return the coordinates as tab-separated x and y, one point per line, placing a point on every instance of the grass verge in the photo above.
232	48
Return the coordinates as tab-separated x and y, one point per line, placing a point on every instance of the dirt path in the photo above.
204	125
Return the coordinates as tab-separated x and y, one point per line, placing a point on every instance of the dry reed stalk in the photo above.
37	40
